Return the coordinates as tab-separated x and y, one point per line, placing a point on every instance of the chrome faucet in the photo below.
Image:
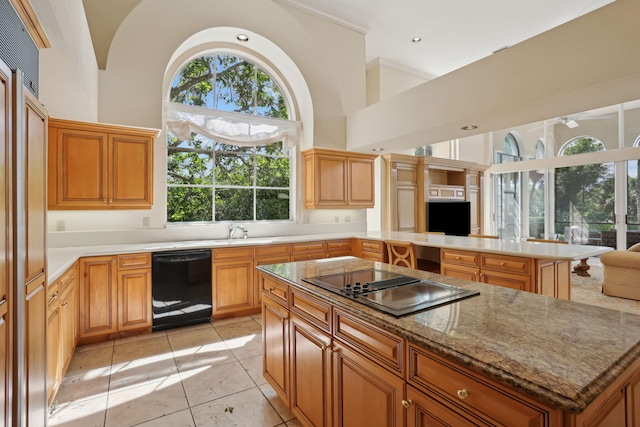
233	228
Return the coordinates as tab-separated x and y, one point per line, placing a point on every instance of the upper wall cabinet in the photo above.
97	166
338	179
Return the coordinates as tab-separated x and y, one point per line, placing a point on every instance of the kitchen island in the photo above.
504	357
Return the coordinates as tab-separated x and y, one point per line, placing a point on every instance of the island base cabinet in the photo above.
275	341
364	393
471	394
310	374
428	410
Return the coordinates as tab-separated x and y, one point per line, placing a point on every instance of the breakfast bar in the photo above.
502	357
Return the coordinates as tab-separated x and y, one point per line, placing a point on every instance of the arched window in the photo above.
581	144
511	145
540	150
636	143
229	141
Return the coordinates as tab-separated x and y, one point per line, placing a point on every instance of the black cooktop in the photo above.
391	292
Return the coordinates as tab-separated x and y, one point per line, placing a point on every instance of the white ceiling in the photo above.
454	32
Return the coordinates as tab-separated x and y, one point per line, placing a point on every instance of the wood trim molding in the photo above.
31	22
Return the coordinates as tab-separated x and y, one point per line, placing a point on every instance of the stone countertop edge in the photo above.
575	404
60	259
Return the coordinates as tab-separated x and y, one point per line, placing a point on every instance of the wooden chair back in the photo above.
484	236
433	232
531	239
402	254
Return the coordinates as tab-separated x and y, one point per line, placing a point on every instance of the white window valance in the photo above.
228	127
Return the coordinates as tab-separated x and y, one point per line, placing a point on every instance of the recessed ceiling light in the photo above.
416	39
378	149
469	127
242	37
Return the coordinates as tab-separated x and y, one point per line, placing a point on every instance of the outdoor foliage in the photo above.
585	189
206	177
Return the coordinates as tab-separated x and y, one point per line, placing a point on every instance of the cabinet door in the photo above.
232	283
35	315
310	373
98	300
130	181
361	183
275	350
81	168
5	244
5	356
365	394
35	193
406	208
134	299
68	326
54	373
426	410
331	180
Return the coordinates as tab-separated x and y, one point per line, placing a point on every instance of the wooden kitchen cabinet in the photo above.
61	328
134	293
115	296
428	410
6	333
462	392
364	393
97	166
373	250
98	298
305	251
337	248
268	254
275	339
232	281
338	179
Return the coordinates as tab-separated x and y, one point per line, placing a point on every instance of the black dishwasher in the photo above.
181	288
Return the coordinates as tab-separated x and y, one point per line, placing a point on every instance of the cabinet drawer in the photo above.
276	289
371	246
468	258
339	245
372	256
480	396
68	277
134	261
376	343
311	309
232	253
299	248
507	264
271	251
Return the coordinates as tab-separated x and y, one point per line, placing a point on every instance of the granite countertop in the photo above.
558	352
59	259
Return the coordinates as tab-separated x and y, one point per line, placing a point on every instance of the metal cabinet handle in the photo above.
407	403
462	394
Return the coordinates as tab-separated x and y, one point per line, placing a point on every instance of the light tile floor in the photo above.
202	375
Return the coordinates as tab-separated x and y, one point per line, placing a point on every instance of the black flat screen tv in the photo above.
453	218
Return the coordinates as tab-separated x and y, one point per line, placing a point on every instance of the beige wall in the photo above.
68	70
385	80
587	63
329	58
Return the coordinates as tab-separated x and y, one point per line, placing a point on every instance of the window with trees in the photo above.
584	194
231	163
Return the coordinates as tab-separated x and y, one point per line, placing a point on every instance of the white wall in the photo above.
330	58
386	79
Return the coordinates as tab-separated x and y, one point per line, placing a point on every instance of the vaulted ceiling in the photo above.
453	33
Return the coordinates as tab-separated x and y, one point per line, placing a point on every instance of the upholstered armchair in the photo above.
621	270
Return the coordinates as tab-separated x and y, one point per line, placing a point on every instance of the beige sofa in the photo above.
621	270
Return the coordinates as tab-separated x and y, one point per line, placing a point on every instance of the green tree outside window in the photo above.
213	181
